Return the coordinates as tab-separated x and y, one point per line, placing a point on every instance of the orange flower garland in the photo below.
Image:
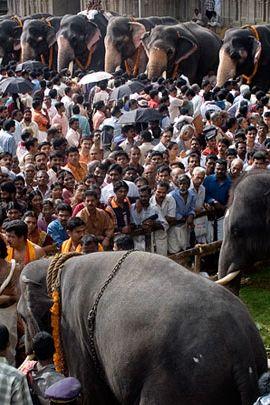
58	357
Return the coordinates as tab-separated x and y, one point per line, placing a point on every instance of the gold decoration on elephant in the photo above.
89	59
18	20
254	31
135	69
53	289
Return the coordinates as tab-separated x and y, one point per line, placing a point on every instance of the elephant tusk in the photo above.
164	74
227	279
70	67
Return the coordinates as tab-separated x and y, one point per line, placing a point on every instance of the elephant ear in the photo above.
145	42
51	36
93	35
185	47
17	31
138	30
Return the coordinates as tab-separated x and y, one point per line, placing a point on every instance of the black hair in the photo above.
211	156
74	223
264	383
163	184
260	155
4	337
222	162
115	167
124	242
43	345
30	142
87	239
146	135
120	153
156	153
72	149
9	187
3	249
163	168
119	184
63	207
18	227
14	205
8	124
145	188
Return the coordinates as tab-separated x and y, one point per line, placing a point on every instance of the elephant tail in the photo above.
246	381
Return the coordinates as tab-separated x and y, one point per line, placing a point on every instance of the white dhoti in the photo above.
160	242
178	238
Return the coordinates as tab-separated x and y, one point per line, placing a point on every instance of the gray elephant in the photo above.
137	328
38	40
246	52
10	34
185	48
246	228
81	40
123	42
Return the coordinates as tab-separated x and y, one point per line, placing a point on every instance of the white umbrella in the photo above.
95	77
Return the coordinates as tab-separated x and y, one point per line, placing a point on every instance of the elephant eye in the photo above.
235	231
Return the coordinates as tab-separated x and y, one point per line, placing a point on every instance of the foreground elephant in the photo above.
123	42
10	34
246	228
162	335
185	48
38	40
81	40
246	51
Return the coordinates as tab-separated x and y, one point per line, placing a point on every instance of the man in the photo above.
14	387
83	121
51	110
123	242
222	147
167	206
60	118
217	187
96	220
67	100
146	219
210	164
40	160
236	169
79	170
73	135
251	134
99	115
115	174
156	158
259	160
57	229
100	174
17	117
146	145
193	161
19	247
41	118
43	183
241	149
200	223
210	133
129	134
185	199
7	141
75	230
150	175
165	139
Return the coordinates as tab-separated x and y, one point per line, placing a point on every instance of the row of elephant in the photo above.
155	44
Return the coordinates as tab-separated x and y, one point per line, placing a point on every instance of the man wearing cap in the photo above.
65	391
210	133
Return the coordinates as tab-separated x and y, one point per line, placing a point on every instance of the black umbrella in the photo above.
30	65
126	90
139	116
14	85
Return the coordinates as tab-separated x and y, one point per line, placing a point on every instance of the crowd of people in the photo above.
73	178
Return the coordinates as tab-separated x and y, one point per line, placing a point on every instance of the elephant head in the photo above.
76	38
37	38
34	303
10	33
246	224
239	54
121	42
166	47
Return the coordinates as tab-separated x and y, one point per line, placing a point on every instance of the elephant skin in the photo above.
78	36
38	37
124	38
241	51
187	47
163	335
246	227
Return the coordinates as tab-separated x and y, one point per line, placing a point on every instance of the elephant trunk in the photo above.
157	63
27	53
226	68
65	53
113	58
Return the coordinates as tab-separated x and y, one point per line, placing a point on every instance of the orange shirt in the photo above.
79	172
41	120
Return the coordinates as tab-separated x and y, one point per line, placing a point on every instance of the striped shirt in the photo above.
13	386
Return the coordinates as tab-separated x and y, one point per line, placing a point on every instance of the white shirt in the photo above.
160	147
107	191
168	206
73	137
200	195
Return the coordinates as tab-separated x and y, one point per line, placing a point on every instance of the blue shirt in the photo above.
83	124
184	209
7	142
57	232
215	190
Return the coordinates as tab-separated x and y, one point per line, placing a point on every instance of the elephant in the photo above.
246	52
123	42
185	48
138	328
38	40
10	33
81	40
246	226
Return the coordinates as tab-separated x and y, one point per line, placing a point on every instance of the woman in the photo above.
78	196
35	201
9	295
86	144
135	157
173	150
68	183
36	236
